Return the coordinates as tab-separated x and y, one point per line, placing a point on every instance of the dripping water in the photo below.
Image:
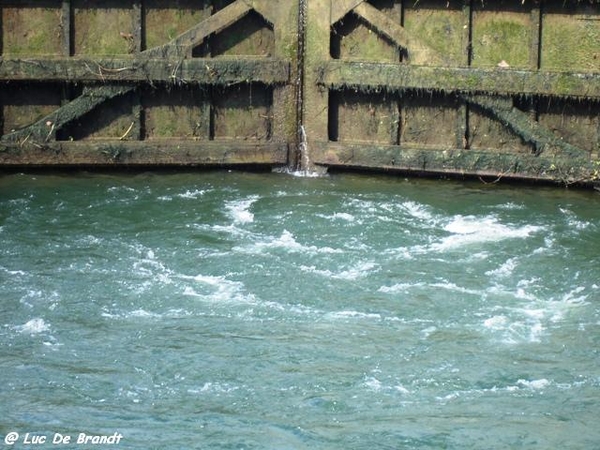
301	156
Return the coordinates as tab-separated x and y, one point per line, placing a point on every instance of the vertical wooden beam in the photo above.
1	34
210	96
137	110
137	18
396	108
536	39
462	116
535	52
65	26
284	17
316	98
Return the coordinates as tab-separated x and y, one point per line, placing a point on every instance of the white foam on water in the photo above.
221	291
338	216
517	326
446	285
496	323
90	240
399	288
286	242
119	189
344	315
373	384
573	221
214	388
522	385
192	195
233	229
361	270
419	211
344	216
455	288
366	207
239	210
534	384
470	230
144	314
34	326
37	296
152	269
505	270
510	206
529	322
403	253
307	173
13	272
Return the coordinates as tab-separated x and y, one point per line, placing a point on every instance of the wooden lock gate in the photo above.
470	87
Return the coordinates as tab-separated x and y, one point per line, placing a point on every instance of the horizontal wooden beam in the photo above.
394	77
550	166
139	69
141	153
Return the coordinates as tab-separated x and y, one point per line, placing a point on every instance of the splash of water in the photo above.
304	167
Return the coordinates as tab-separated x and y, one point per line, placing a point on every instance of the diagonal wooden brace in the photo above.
194	36
418	52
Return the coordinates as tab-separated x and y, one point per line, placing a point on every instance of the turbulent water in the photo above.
229	310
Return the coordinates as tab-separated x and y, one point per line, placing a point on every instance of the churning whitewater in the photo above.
229	310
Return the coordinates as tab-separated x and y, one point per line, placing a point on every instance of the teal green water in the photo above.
230	310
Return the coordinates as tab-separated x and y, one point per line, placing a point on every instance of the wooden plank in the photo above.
136	27
65	27
167	152
133	69
363	75
535	50
549	167
195	35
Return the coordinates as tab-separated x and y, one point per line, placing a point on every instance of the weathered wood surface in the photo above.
241	103
551	166
131	153
44	129
453	55
496	89
134	69
394	77
194	36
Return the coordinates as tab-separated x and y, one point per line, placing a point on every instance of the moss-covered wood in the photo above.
369	76
182	44
44	129
552	166
506	89
121	153
520	123
139	69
